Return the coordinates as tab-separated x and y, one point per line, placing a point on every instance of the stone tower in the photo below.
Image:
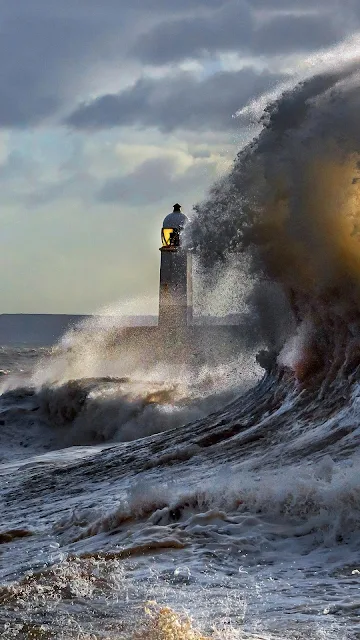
175	299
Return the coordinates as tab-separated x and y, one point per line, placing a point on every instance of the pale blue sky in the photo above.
112	112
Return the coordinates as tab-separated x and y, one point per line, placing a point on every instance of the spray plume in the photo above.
292	203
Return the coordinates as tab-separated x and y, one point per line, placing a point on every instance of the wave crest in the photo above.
292	202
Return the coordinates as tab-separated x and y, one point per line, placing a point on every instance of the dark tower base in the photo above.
175	306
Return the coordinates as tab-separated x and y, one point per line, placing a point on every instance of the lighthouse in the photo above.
175	296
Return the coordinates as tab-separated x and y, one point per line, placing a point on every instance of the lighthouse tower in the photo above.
175	299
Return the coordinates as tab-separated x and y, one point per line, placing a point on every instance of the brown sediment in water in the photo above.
332	350
137	550
115	520
14	534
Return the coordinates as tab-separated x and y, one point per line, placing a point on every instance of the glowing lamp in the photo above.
170	237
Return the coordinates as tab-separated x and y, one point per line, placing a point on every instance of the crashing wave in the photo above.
292	203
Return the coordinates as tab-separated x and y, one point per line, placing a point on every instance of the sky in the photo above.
110	112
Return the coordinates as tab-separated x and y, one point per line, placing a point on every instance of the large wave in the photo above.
291	204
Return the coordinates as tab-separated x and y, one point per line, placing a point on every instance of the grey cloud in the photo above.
154	175
227	29
288	33
158	178
48	48
289	5
104	11
178	103
232	28
41	61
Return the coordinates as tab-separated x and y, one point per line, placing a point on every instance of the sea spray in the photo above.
292	204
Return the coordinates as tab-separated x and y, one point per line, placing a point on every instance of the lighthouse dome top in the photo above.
175	220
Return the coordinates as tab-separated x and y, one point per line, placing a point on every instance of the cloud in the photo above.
226	29
295	33
40	57
51	52
95	172
234	28
160	177
53	55
289	5
181	102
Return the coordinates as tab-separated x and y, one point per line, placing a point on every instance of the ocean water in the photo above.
221	504
178	502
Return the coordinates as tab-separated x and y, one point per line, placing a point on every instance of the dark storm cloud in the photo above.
41	58
104	11
288	33
233	28
228	29
289	5
176	103
48	49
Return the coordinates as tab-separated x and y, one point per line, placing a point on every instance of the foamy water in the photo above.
241	523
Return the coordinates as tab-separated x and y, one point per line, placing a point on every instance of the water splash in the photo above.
292	204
